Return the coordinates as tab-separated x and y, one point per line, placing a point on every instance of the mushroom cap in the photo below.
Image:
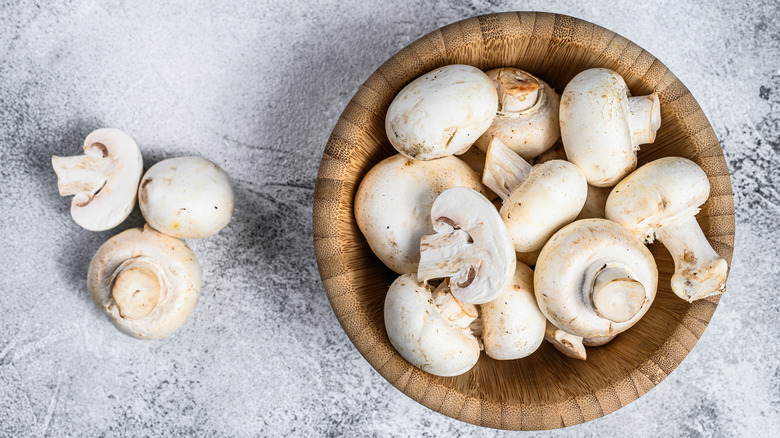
595	130
512	324
112	203
468	210
186	197
551	197
172	260
662	192
565	272
422	335
529	131
441	113
393	204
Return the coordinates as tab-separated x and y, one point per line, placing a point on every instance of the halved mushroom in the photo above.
567	343
393	205
186	197
527	117
537	200
441	113
471	247
512	324
602	127
661	199
146	282
431	331
104	180
594	278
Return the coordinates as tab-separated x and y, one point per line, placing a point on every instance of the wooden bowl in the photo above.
546	390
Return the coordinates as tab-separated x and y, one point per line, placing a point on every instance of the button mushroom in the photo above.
512	324
146	282
602	127
661	199
567	343
441	113
537	201
186	197
393	205
104	180
471	247
527	116
594	278
431	331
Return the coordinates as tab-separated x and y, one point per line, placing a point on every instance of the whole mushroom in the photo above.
527	116
602	127
393	205
186	197
661	199
471	247
430	330
594	278
441	113
146	282
104	180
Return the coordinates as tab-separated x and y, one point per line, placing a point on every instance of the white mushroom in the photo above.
104	180
441	113
527	117
187	197
512	324
147	283
430	330
567	343
602	127
393	205
661	199
597	341
471	247
594	278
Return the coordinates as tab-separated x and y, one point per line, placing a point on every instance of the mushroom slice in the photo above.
512	325
567	343
527	116
431	331
186	197
441	113
471	247
594	278
602	127
393	205
661	199
147	283
104	180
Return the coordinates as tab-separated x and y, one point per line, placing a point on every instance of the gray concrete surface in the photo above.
257	87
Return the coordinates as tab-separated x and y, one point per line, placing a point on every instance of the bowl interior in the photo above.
546	390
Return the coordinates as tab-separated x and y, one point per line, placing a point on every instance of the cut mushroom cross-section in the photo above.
471	247
661	199
104	181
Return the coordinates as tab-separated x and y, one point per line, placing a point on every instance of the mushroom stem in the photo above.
138	287
644	119
615	295
517	90
81	175
699	272
449	255
504	169
459	313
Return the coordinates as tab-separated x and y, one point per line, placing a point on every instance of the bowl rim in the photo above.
328	239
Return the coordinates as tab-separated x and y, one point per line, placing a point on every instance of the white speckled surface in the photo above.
256	87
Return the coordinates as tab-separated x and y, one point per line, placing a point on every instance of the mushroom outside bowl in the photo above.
545	390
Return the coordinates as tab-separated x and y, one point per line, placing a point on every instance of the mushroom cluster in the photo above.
147	281
496	174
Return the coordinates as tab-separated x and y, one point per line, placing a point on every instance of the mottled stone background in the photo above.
257	87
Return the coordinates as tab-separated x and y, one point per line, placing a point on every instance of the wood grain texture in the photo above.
546	390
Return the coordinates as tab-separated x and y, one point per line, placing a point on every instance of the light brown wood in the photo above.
546	390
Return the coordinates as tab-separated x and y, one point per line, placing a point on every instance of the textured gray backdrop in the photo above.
256	87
